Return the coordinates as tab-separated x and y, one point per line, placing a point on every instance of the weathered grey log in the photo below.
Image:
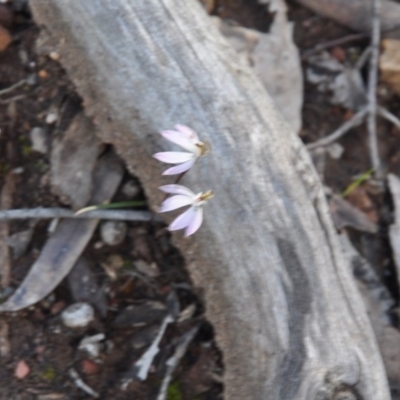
357	14
286	310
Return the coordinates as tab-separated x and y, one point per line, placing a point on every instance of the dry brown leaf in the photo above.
360	199
346	215
73	159
389	64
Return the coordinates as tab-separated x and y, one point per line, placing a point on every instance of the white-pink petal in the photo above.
183	220
188	132
173	157
181	140
196	221
177	189
174	202
178	169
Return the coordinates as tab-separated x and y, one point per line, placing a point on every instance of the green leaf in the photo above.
174	391
361	179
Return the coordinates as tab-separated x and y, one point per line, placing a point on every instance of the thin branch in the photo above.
50	213
332	43
146	360
14	98
356	120
82	385
363	58
142	366
12	87
372	83
389	116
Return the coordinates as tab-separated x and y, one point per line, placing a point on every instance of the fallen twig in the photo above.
11	99
173	361
144	363
142	366
389	116
363	58
50	213
332	43
372	83
372	108
82	385
356	120
12	87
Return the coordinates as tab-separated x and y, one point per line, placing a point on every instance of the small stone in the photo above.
98	245
43	74
89	367
39	140
335	150
51	117
113	232
22	370
54	55
131	189
78	315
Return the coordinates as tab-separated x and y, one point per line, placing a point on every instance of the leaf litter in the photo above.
129	288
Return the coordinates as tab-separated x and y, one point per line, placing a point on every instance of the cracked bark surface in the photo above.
287	313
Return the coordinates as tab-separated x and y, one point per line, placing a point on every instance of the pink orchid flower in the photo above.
188	140
192	218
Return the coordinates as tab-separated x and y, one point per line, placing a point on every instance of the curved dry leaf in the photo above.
64	247
345	215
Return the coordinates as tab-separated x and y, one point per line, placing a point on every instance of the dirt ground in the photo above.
138	281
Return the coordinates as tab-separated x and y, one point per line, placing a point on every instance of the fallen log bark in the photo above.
357	14
287	313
